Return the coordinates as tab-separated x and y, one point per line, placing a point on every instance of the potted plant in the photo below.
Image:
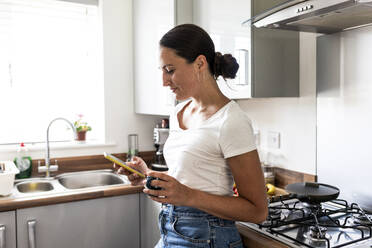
82	128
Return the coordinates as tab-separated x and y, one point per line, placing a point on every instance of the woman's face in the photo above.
178	74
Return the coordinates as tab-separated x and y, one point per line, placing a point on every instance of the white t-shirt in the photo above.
197	156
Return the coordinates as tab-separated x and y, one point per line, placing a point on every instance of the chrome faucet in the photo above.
48	168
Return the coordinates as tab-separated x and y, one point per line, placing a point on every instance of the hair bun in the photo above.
225	66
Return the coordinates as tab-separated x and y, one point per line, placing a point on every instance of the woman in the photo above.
210	146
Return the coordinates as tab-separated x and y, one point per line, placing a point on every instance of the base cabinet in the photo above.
150	233
7	230
106	222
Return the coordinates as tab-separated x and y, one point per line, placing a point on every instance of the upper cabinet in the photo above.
268	59
151	20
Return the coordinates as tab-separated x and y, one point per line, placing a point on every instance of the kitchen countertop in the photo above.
13	202
45	198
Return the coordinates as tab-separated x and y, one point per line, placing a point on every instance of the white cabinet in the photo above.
7	230
150	233
151	20
268	59
105	222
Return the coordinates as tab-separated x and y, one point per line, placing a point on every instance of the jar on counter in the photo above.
269	173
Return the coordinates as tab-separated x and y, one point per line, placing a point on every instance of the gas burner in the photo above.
326	225
312	206
317	234
361	219
294	214
274	214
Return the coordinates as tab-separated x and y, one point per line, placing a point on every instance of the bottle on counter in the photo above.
23	162
132	146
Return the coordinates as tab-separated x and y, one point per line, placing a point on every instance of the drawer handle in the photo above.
31	233
2	236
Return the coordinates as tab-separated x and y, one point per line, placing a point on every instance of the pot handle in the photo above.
311	184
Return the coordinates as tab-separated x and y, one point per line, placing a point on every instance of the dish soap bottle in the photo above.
23	162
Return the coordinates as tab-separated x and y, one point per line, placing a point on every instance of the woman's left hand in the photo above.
172	192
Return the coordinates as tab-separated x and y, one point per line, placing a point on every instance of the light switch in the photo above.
273	140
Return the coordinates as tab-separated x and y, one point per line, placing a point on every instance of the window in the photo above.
50	66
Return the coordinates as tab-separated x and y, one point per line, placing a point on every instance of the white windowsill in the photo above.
59	145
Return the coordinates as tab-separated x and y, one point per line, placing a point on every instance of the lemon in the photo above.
270	189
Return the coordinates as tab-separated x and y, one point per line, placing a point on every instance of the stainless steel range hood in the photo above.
318	16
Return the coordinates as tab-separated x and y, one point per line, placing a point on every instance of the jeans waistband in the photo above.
182	211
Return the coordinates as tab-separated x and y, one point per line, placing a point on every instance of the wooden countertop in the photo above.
13	202
47	198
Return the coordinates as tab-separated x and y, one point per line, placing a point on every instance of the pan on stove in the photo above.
313	192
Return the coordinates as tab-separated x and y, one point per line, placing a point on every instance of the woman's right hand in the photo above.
138	164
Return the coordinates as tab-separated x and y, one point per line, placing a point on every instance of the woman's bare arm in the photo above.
250	205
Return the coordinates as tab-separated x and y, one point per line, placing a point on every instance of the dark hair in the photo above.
189	41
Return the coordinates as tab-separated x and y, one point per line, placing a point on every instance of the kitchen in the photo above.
294	118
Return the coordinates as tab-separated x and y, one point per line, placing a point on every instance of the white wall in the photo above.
118	77
294	118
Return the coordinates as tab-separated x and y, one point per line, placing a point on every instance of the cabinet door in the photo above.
150	233
105	222
223	19
268	59
151	20
7	230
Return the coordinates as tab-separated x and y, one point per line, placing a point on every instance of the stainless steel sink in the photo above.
34	186
85	179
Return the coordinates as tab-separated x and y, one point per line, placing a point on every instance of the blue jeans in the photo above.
182	227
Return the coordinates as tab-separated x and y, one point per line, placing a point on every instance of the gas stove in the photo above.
330	224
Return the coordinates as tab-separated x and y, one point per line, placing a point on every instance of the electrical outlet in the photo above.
273	140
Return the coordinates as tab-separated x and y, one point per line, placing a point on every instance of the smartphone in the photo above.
120	162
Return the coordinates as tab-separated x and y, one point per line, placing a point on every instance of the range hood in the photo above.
317	16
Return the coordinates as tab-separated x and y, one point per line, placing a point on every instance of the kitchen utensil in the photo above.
313	192
161	133
7	177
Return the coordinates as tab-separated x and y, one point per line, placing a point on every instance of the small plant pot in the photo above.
81	135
